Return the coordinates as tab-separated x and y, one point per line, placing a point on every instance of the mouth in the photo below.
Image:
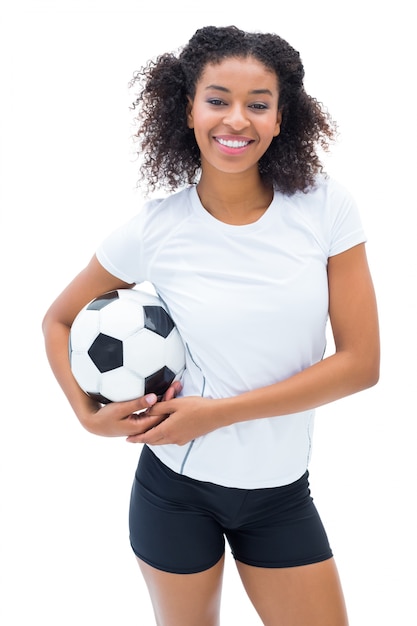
232	145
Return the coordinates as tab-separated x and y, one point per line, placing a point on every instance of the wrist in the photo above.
225	412
85	408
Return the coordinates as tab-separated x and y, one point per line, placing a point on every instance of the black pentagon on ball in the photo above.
157	320
106	353
99	398
102	301
159	381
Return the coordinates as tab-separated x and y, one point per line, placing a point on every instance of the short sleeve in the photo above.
346	229
122	252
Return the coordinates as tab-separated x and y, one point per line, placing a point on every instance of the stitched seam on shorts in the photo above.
178	570
237	514
318	558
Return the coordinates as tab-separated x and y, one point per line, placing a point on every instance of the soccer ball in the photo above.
124	345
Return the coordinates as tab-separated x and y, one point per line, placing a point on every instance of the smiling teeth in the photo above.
232	144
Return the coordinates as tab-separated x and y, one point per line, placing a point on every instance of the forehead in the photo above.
240	71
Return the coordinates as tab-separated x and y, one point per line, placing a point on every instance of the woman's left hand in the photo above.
186	419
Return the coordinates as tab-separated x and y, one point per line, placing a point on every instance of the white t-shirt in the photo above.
251	304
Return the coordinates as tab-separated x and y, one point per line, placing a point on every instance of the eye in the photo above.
215	101
258	106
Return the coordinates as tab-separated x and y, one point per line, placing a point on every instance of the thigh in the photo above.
279	527
185	599
296	596
170	528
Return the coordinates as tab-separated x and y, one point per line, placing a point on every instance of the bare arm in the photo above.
111	420
353	367
355	364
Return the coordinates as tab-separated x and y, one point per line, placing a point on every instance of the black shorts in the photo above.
178	524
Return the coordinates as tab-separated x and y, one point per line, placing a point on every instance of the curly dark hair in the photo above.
169	152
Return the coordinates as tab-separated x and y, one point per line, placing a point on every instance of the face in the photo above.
235	114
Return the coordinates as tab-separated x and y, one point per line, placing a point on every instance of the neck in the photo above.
235	199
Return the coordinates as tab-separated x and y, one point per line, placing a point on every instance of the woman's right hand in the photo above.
112	420
118	419
124	419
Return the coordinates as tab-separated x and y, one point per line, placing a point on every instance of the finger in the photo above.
132	406
142	423
163	407
173	390
169	394
152	437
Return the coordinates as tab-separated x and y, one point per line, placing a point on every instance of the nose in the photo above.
236	118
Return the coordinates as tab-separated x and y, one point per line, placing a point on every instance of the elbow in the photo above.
369	373
50	323
45	323
372	377
361	371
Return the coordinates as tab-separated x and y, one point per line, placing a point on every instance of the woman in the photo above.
252	255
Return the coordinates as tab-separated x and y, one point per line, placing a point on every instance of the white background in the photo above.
68	177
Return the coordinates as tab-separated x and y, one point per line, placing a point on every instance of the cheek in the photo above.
202	126
271	128
201	139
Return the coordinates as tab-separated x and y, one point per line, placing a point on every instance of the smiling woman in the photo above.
231	119
258	239
171	156
233	132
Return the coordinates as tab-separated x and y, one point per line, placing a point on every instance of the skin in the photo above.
225	107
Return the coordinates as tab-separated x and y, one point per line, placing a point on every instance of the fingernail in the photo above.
150	399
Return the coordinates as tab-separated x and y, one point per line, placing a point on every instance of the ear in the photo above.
189	112
277	129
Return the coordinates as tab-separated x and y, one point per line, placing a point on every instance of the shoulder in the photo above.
326	191
159	218
326	201
177	203
329	212
160	214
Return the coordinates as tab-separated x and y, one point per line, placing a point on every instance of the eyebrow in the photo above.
254	91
